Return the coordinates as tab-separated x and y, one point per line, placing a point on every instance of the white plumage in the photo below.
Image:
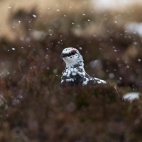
74	73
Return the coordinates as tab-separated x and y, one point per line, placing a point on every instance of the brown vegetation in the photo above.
35	108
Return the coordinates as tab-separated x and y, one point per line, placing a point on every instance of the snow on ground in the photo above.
131	96
135	28
112	4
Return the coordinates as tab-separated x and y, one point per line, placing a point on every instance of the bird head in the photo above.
71	56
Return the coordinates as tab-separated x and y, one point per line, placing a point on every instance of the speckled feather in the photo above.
74	73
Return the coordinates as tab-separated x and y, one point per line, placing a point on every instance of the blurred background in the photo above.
33	106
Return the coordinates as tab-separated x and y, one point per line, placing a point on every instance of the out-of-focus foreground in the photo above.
33	106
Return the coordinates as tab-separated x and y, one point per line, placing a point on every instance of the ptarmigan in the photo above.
74	73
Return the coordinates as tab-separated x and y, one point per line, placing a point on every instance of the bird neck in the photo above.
79	64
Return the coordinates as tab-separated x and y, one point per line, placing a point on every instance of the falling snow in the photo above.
34	15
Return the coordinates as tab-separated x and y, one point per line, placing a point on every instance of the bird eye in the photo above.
72	51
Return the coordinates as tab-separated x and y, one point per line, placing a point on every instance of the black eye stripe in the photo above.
72	53
68	54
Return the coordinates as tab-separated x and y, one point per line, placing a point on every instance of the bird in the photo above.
74	73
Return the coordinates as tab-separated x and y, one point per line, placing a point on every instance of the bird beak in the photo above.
63	55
